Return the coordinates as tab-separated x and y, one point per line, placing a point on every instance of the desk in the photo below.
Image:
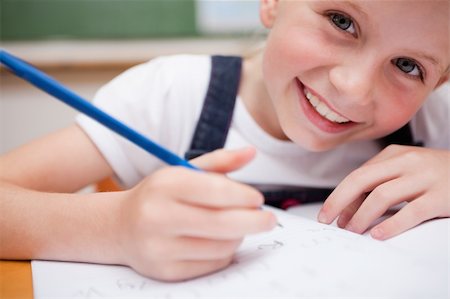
15	280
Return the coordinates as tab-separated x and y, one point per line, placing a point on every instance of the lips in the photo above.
319	113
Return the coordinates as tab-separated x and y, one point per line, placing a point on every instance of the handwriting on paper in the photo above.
295	260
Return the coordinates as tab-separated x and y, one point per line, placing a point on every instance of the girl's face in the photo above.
339	71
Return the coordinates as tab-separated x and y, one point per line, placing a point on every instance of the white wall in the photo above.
83	66
27	113
228	16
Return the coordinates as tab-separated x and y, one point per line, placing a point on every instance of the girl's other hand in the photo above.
179	223
419	177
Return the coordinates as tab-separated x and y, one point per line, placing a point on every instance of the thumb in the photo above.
223	161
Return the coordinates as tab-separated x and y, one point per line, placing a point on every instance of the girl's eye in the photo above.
408	66
342	22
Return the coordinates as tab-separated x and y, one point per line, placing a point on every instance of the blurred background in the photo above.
86	43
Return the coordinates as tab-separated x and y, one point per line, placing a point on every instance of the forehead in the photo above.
434	11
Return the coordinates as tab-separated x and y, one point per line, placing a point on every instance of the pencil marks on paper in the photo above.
294	261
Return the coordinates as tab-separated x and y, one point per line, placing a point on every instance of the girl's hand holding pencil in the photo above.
178	223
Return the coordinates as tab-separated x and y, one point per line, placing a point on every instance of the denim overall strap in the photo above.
215	118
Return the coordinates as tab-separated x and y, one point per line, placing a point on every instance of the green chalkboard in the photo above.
89	19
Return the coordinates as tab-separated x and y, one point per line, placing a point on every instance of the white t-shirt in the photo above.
163	98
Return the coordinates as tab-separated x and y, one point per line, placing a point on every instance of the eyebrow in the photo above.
428	57
356	7
431	59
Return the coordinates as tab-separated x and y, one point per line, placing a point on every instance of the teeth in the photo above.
323	109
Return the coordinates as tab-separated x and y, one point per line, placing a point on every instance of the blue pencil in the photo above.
62	93
56	89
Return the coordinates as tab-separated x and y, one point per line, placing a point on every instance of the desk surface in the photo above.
16	280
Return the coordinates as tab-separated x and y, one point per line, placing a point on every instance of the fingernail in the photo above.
274	222
377	233
257	199
342	221
349	227
322	217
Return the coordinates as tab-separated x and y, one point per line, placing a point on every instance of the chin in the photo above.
314	144
317	146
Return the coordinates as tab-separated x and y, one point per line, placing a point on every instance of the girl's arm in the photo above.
57	226
39	223
175	224
65	161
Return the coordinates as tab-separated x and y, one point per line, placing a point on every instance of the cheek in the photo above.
301	48
395	109
292	52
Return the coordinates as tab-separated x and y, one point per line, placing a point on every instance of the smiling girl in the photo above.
305	116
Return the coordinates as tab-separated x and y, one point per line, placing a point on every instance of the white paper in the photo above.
303	259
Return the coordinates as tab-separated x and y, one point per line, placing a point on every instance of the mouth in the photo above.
320	113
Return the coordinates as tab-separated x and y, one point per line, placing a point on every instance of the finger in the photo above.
205	189
381	199
349	211
223	161
181	270
410	215
356	184
391	151
227	224
202	249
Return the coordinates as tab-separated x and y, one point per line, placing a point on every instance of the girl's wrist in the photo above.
110	211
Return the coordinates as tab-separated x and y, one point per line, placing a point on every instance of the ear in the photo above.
267	12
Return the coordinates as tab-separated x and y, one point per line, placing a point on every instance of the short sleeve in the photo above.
160	99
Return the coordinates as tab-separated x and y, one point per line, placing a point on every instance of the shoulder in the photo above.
163	96
188	67
161	99
186	75
163	72
157	83
431	122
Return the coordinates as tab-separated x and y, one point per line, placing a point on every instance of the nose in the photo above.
354	81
